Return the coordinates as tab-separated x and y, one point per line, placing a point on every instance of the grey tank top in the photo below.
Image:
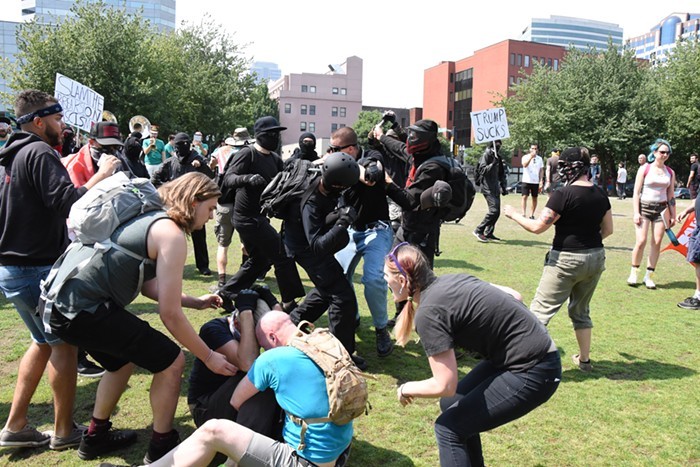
112	276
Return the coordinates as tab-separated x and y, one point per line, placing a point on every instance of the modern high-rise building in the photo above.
452	90
8	46
656	44
579	33
266	71
319	103
161	13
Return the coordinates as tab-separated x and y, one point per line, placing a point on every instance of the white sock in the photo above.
697	294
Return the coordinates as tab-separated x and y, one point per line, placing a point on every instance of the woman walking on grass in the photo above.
583	218
521	368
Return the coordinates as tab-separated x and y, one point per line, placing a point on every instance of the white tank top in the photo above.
656	184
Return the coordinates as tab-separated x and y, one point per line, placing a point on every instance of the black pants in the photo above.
201	253
493	201
334	293
264	247
426	242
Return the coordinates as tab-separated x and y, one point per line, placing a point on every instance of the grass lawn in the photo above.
640	405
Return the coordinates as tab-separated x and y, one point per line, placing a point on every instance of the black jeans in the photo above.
493	201
201	253
264	247
334	293
488	397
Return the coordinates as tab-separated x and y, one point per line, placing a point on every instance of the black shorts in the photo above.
115	337
530	189
652	211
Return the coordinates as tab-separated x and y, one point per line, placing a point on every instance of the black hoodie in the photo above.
36	195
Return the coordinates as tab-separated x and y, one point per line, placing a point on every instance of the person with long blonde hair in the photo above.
521	368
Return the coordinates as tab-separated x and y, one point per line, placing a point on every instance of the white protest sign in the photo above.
489	125
81	105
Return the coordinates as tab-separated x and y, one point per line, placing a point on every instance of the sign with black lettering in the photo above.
489	125
81	105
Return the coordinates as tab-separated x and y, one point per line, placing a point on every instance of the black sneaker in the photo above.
481	237
205	272
493	238
359	362
156	450
690	303
92	446
89	369
384	343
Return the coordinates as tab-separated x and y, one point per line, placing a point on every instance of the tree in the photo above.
366	121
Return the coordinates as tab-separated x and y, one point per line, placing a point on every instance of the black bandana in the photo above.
50	110
571	171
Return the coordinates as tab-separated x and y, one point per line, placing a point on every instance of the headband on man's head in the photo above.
50	110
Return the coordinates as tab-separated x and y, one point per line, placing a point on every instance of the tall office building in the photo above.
8	46
577	32
319	103
656	44
161	13
266	71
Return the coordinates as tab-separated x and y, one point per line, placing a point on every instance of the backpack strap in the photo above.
647	166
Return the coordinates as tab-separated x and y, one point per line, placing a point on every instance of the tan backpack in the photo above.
345	383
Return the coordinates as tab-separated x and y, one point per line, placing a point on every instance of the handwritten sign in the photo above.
81	105
489	125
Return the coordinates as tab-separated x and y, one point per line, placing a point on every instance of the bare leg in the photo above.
110	389
221	259
583	337
656	239
641	241
523	204
214	436
31	369
165	391
63	367
534	206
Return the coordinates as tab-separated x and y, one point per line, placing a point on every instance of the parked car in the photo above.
682	193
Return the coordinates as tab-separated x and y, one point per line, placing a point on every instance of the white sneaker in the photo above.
648	282
632	279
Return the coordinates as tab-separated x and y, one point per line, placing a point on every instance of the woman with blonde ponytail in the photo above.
521	368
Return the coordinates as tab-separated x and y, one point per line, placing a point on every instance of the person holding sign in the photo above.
491	175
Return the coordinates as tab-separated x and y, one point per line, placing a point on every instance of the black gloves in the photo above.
504	191
266	295
437	196
255	180
246	300
389	116
346	216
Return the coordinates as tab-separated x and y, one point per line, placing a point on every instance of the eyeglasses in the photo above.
340	148
394	259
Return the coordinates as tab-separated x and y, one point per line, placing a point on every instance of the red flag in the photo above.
683	235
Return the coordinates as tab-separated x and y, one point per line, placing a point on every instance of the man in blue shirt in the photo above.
300	388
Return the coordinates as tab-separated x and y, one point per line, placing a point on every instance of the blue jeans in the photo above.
20	284
373	245
488	397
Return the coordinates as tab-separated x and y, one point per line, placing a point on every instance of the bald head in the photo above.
274	329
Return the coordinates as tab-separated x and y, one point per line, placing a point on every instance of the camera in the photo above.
388	117
374	172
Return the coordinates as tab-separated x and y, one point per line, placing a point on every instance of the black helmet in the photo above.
340	170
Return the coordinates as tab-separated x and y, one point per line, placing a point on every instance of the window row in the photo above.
312	89
311	126
311	110
525	61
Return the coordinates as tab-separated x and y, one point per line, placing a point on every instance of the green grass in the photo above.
640	406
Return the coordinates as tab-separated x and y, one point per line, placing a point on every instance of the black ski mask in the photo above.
269	141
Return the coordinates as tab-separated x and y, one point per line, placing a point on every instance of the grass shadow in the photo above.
688	285
633	369
520	242
456	263
364	453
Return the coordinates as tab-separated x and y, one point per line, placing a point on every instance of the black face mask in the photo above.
182	149
268	141
307	147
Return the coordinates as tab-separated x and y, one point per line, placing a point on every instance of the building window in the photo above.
334	126
335	90
304	88
334	111
312	110
450	116
303	110
542	61
512	59
343	111
302	126
342	125
452	77
343	91
534	59
520	60
549	62
511	80
556	64
527	61
287	108
312	127
312	89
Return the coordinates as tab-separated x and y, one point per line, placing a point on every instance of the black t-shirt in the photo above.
459	310
581	209
250	161
552	164
214	333
369	201
694	168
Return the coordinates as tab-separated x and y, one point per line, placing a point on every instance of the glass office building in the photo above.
656	44
579	33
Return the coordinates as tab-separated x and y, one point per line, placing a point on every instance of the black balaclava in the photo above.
268	140
307	149
183	145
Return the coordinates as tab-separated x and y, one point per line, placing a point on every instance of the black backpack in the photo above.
463	190
288	185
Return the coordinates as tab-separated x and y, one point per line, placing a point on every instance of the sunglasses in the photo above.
394	259
340	148
664	152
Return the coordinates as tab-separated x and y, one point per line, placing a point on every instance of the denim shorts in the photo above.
20	284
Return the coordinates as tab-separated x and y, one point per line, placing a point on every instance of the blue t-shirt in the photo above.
155	156
300	389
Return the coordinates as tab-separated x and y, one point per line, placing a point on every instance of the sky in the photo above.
396	42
